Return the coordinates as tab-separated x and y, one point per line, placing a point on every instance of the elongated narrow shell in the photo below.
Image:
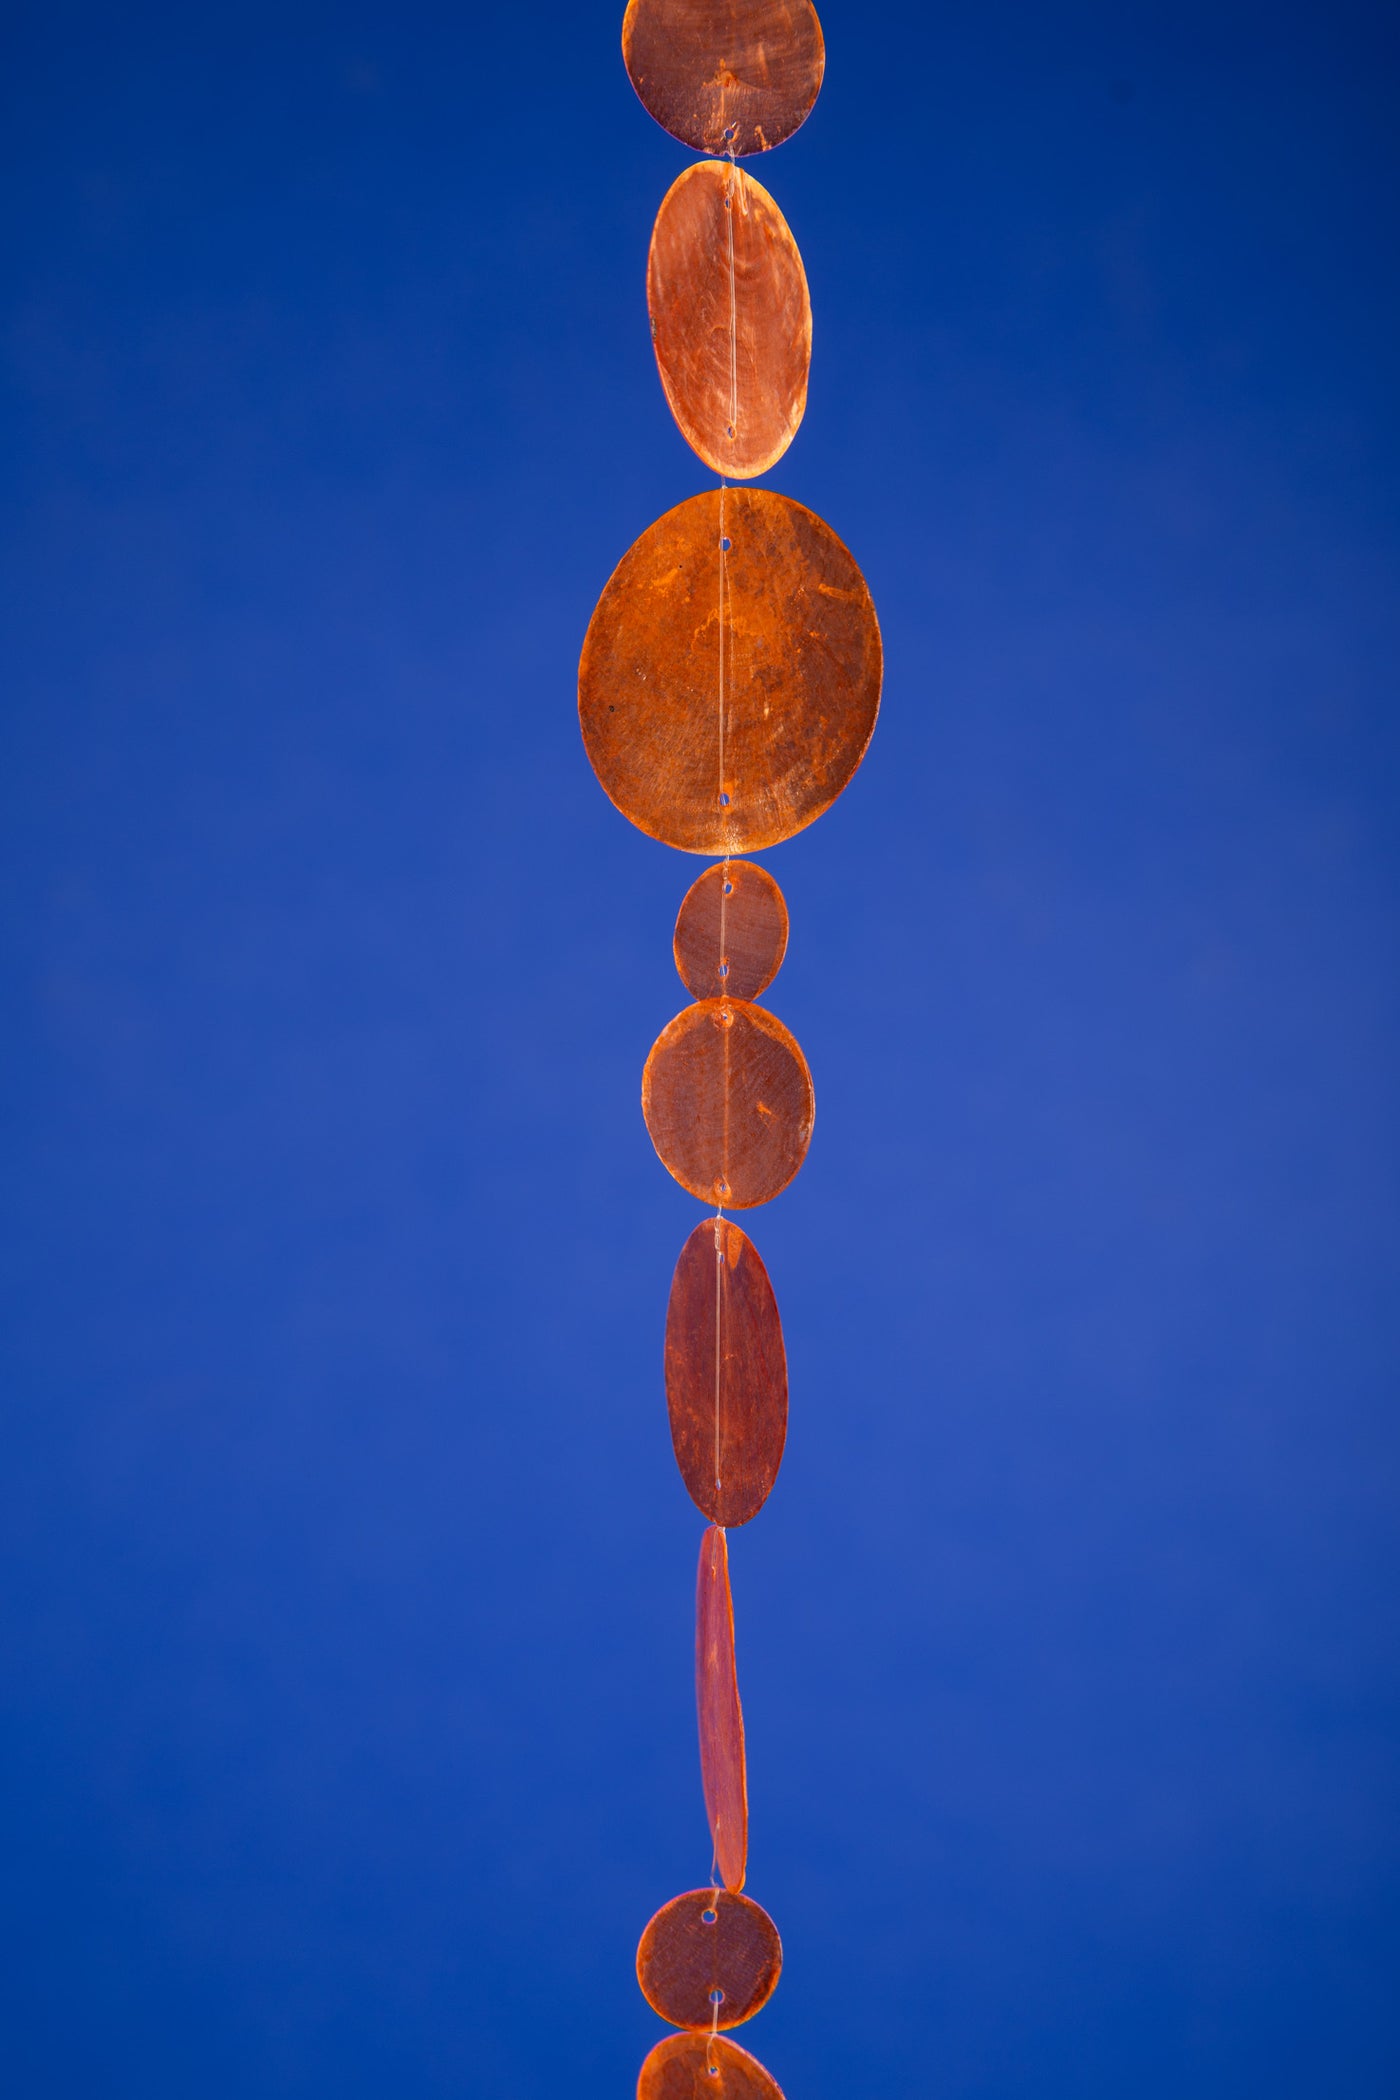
725	76
687	2065
730	676
704	1941
719	1713
726	1373
731	321
728	1102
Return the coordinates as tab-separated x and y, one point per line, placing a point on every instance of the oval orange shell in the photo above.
731	321
731	931
726	1373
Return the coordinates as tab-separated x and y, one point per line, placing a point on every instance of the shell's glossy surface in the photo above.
719	1712
731	932
682	1959
725	76
728	1102
702	2066
726	1373
731	321
723	727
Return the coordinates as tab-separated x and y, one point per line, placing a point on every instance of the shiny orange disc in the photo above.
728	1102
731	322
725	727
720	1714
725	76
732	931
726	1373
705	1943
701	2066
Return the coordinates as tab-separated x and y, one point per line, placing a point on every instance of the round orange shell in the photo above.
706	1941
725	76
728	1102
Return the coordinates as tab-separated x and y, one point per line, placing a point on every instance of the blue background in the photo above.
347	1575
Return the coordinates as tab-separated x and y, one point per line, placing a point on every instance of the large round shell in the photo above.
730	676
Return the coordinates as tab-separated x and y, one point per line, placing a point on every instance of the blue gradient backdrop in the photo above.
348	1732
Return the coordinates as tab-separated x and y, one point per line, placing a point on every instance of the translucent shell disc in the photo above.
731	322
728	1102
732	931
683	1959
720	1715
726	1373
799	671
701	2066
725	75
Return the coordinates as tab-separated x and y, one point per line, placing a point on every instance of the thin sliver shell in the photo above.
719	1712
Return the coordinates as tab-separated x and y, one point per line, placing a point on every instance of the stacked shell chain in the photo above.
728	689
